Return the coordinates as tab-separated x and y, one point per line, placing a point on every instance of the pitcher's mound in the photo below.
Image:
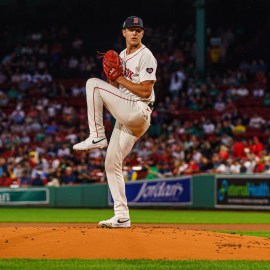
138	242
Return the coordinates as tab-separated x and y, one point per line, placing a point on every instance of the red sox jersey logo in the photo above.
128	73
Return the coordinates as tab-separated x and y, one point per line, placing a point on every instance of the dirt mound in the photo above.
138	242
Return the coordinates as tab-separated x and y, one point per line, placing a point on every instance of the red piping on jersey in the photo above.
135	54
116	95
95	111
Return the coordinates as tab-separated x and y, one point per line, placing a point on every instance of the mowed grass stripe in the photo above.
137	216
71	264
265	234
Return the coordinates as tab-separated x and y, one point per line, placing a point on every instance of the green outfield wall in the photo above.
95	195
190	192
203	191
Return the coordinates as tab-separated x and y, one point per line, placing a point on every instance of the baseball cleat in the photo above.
115	222
91	143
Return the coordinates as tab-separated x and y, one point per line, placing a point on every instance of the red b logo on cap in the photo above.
135	20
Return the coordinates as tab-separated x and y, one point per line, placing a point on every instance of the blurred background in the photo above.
213	98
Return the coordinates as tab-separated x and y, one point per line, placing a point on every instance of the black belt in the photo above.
151	105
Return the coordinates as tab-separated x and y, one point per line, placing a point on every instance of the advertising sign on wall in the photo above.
159	192
24	196
252	192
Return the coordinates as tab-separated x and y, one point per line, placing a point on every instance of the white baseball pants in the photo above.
132	121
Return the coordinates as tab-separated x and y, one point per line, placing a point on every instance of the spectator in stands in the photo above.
179	167
250	162
54	179
6	180
221	168
256	147
205	165
166	169
234	166
242	91
130	173
192	168
256	121
266	168
226	127
69	178
259	167
207	149
238	149
213	91
208	126
64	150
77	44
176	81
258	92
153	171
96	170
3	167
37	180
178	152
25	138
266	100
226	140
25	81
52	110
17	116
52	128
223	152
40	71
18	170
83	174
76	90
25	180
14	93
3	99
71	137
3	77
196	155
46	77
239	128
219	104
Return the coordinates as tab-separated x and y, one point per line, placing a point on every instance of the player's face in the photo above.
133	35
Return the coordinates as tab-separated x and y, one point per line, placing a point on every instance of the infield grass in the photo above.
137	216
265	234
71	264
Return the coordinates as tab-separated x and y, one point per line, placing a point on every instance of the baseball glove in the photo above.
112	65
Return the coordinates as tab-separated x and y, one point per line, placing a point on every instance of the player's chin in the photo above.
134	42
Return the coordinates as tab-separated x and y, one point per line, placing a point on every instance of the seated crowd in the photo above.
217	123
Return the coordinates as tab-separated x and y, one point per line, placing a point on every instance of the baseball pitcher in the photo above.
128	95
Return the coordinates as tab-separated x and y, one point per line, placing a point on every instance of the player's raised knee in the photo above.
92	82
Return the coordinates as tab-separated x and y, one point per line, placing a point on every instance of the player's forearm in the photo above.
141	90
115	84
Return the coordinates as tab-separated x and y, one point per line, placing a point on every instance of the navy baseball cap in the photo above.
133	21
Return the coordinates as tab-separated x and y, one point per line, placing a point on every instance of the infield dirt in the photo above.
142	241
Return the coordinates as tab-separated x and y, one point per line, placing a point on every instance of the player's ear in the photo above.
124	32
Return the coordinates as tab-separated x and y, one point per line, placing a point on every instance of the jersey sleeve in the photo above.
148	68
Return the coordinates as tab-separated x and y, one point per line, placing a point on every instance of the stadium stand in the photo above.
217	123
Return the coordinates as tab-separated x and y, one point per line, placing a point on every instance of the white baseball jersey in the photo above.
138	67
